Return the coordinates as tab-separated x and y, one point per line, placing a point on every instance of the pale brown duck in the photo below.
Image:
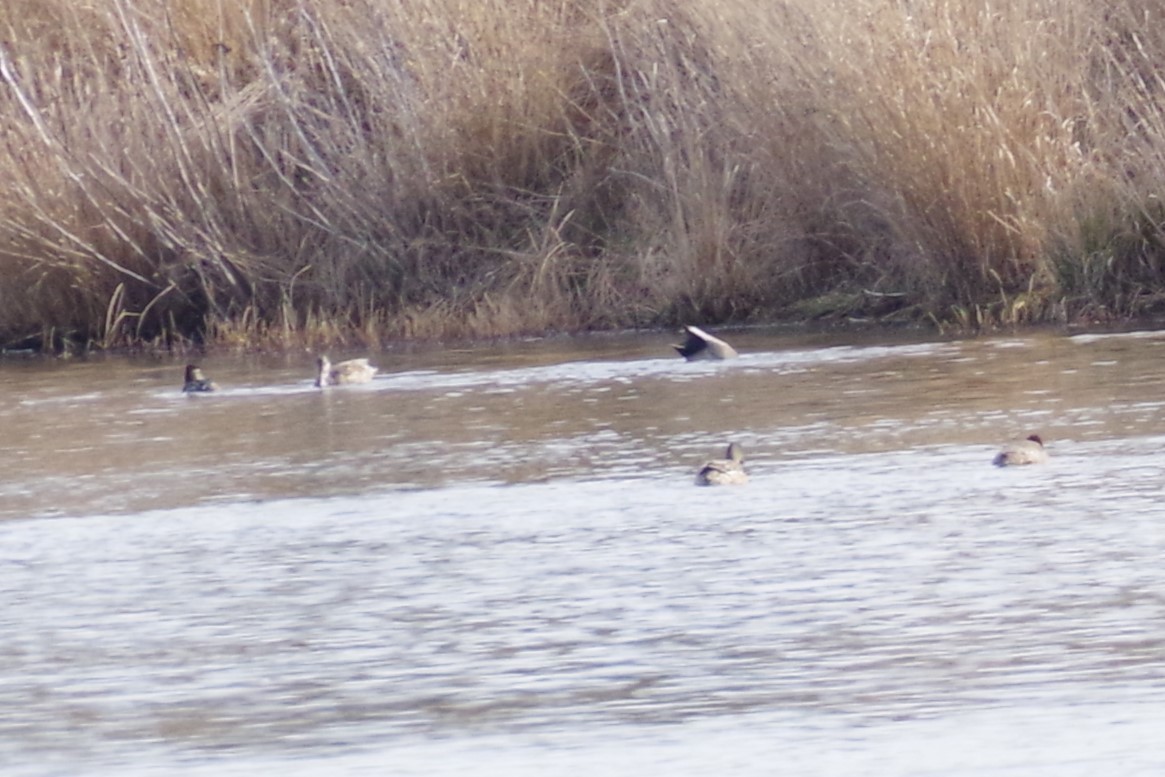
728	471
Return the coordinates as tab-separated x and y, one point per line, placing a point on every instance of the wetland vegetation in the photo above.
277	173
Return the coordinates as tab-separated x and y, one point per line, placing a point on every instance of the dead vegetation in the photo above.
283	173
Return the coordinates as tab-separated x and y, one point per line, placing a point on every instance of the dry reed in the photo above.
311	172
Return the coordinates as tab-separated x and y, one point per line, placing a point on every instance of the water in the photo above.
495	562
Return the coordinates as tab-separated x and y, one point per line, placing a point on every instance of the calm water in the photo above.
494	562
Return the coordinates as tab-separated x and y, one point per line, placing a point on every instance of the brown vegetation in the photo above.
279	172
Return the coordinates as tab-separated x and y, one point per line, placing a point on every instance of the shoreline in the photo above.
856	330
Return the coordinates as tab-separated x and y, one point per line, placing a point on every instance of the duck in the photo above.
728	471
1027	451
700	345
196	381
343	373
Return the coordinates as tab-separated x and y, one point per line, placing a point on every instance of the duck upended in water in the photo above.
196	381
728	471
343	373
701	345
1027	451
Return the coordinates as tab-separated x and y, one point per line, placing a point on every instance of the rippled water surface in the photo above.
495	562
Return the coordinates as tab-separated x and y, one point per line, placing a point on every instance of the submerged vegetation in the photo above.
302	172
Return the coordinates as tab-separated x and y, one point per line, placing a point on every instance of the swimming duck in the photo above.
701	345
728	471
1027	451
351	371
196	381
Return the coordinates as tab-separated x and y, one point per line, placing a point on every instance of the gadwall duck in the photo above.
196	381
701	345
728	471
344	373
1027	451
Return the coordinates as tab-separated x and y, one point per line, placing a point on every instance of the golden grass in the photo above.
290	173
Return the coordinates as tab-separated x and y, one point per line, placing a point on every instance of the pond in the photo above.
495	560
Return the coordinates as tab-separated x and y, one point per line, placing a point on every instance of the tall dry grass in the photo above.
301	172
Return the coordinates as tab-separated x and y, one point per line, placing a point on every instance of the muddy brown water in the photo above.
494	561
